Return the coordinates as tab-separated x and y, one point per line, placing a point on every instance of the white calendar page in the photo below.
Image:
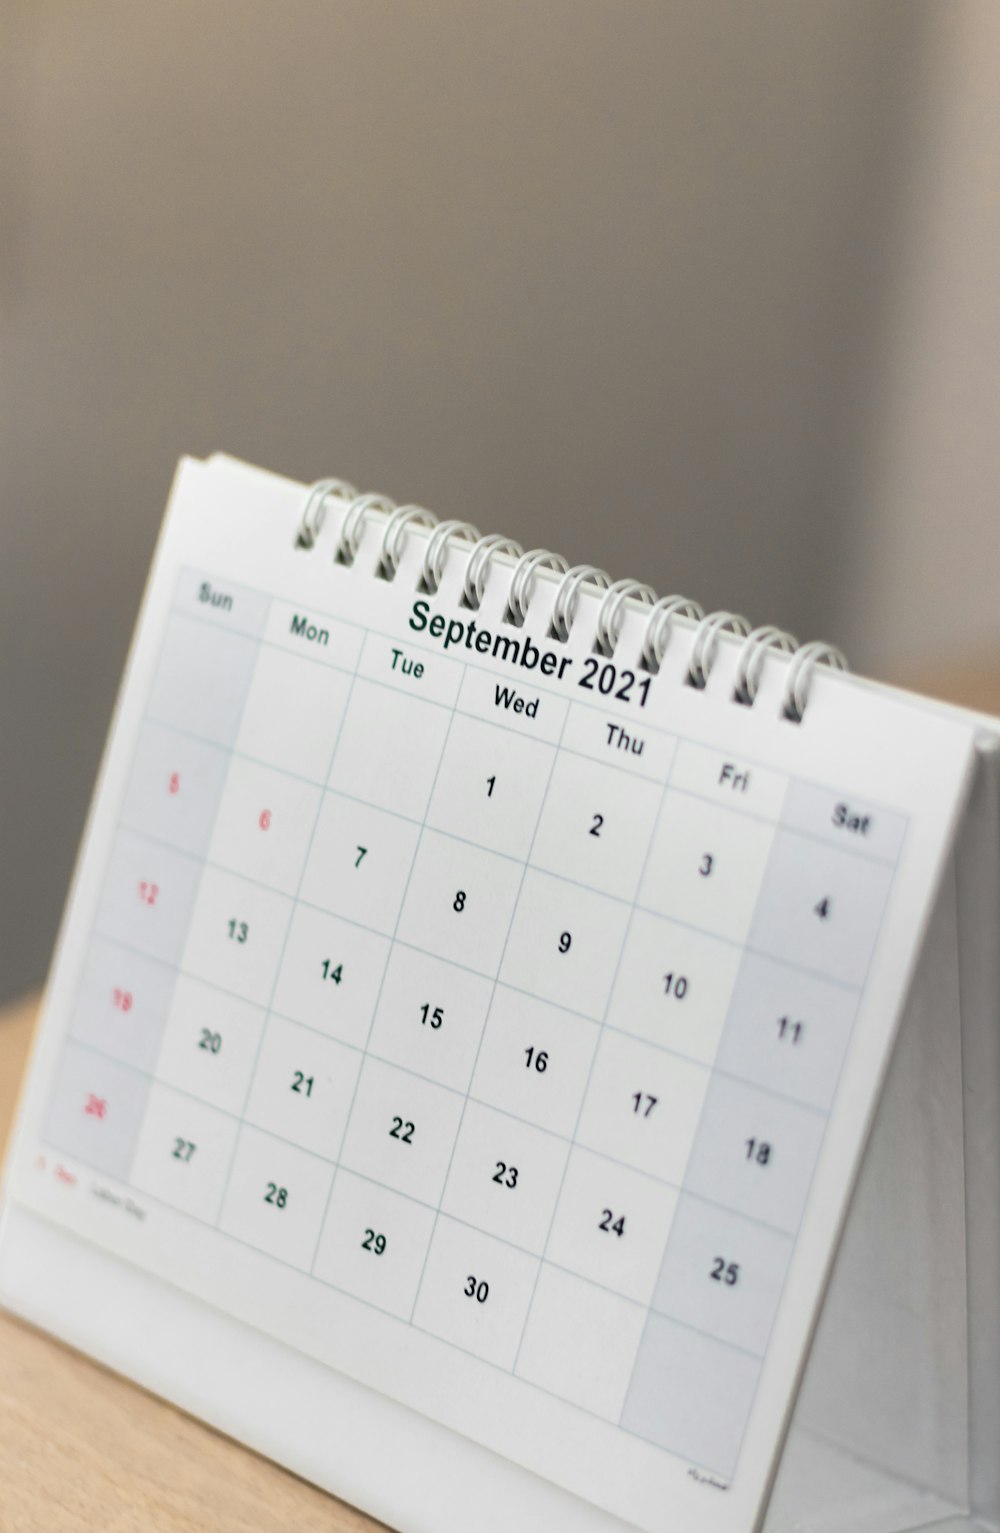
503	1041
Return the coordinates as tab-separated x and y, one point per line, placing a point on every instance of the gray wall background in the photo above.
685	289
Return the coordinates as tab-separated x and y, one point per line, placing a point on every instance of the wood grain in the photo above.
82	1449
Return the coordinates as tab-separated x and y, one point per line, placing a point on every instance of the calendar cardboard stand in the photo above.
521	1053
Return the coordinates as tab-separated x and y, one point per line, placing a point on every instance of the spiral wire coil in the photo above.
758	643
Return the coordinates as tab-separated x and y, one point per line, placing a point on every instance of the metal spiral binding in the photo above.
706	642
354	524
752	656
611	613
568	597
314	510
437	551
481	552
658	624
804	662
522	581
394	536
491	547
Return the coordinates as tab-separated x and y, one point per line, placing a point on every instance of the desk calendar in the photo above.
468	1021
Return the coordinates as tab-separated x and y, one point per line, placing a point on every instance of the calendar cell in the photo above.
728	780
459	902
430	1017
402	1131
122	1003
673	986
374	1244
389	749
845	822
505	1177
631	744
722	1274
330	975
490	786
202	680
184	1153
359	862
580	1343
538	715
564	943
534	1061
611	1225
95	1110
820	908
303	1086
704	1421
209	1044
595	826
706	866
276	1197
642	1106
174	788
264	825
755	1153
293	714
475	1292
787	1030
222	605
149	890
237	934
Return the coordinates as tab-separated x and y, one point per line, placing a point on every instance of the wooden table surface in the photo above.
85	1451
60	1413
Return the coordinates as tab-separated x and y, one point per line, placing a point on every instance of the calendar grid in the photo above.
605	1025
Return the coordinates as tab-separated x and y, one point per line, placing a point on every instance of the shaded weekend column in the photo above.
127	984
